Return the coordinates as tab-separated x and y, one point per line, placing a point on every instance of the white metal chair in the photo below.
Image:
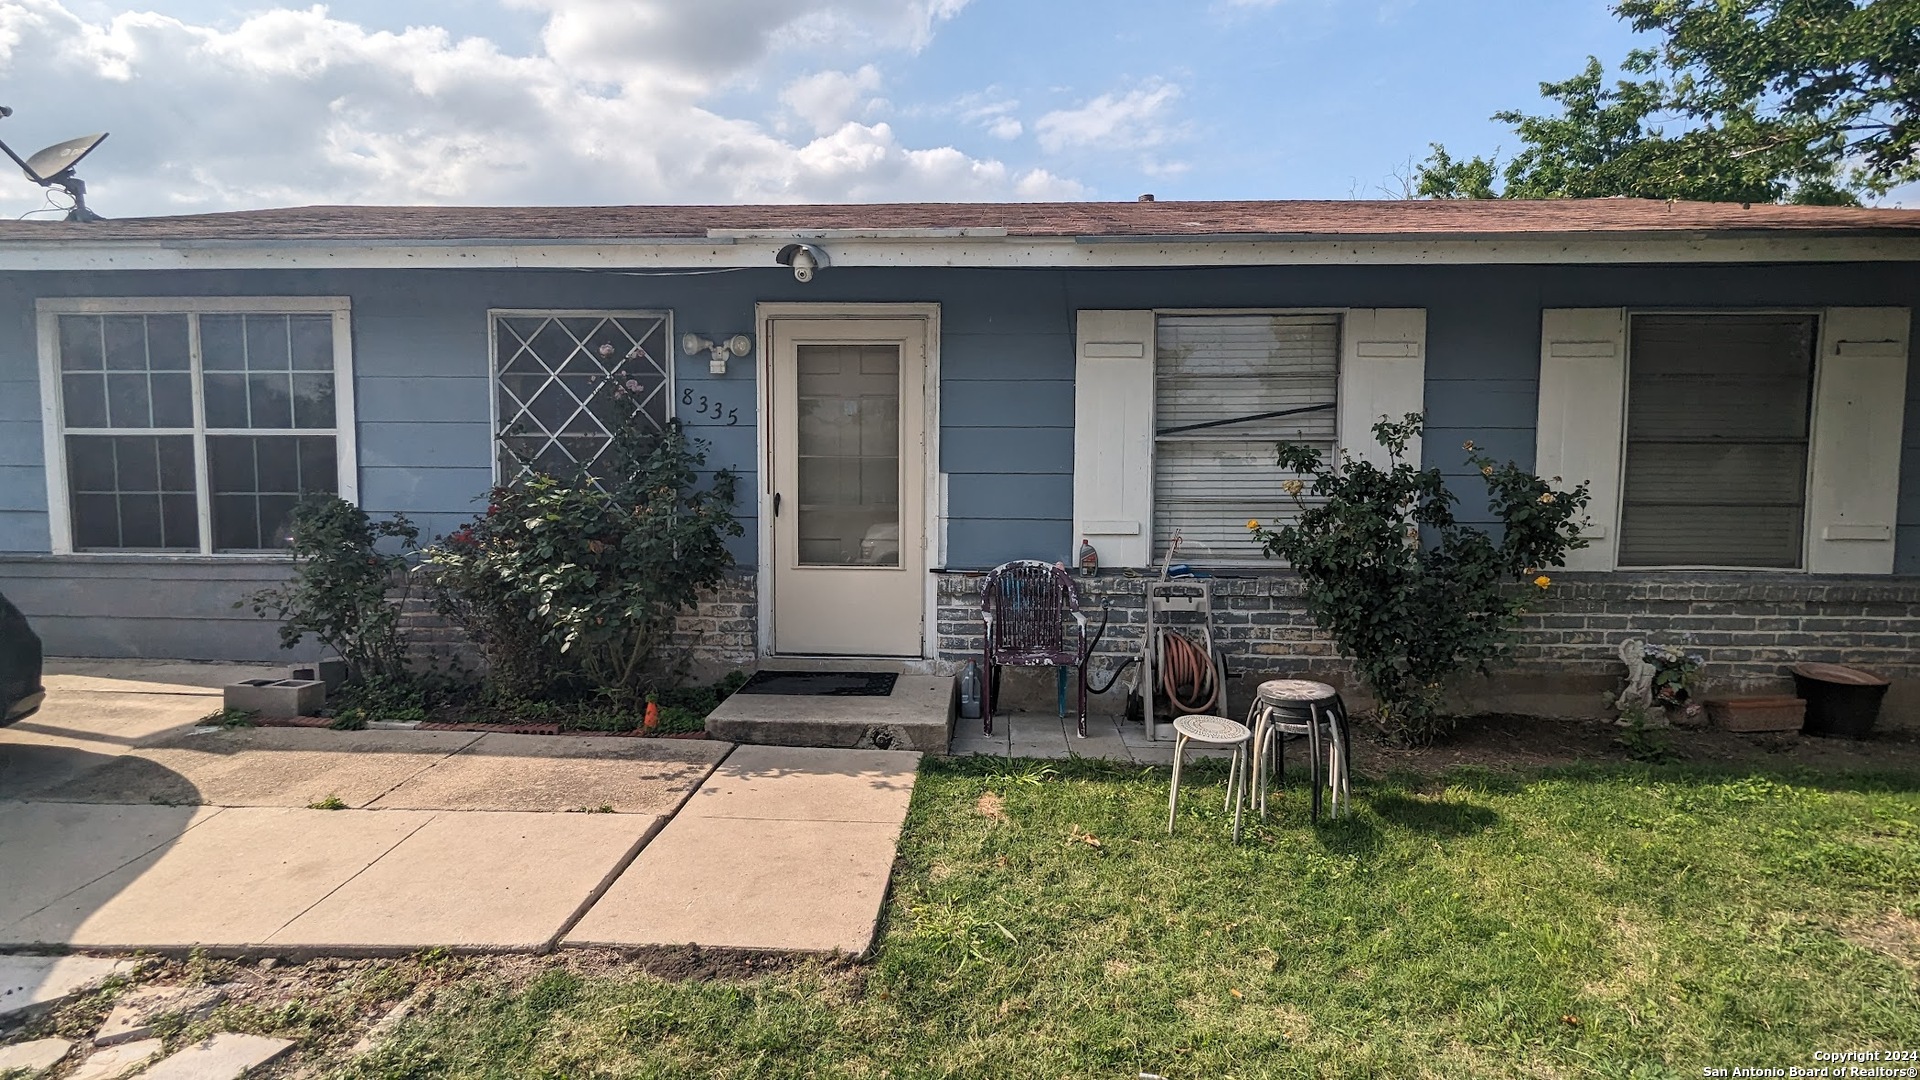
1213	731
1298	707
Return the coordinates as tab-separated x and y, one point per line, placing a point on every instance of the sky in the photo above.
220	106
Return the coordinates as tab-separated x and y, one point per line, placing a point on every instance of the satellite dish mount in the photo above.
53	167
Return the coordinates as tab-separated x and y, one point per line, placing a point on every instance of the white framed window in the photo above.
554	373
1728	440
1176	413
192	425
1227	388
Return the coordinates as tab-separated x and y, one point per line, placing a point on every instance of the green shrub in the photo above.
1409	594
339	589
571	583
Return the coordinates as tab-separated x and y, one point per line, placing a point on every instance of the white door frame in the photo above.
764	315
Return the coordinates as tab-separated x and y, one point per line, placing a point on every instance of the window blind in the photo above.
1717	435
1208	482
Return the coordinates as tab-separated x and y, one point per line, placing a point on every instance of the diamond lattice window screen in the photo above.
1717	420
1208	482
554	377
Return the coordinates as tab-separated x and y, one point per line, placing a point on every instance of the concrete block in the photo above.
32	1058
277	697
115	1062
225	1056
136	1011
29	982
331	672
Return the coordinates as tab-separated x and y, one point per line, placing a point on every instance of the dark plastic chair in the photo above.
1027	605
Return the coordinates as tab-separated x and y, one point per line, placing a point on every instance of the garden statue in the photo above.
1640	672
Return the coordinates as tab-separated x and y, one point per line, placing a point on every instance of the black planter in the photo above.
1841	701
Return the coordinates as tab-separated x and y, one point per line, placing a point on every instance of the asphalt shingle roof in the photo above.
1385	218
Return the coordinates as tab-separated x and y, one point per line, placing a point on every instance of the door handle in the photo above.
776	504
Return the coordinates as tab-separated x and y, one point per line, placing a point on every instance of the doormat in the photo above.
820	683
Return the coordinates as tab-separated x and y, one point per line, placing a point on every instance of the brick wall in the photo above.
719	634
1750	627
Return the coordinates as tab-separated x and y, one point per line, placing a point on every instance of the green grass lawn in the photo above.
1619	921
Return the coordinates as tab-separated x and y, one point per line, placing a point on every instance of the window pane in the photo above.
90	463
312	342
267	343
180	521
96	522
318	472
80	343
172	399
236	523
226	401
167	343
269	401
1717	418
84	399
313	401
127	403
140	521
136	465
230	463
849	448
276	464
176	464
126	340
222	343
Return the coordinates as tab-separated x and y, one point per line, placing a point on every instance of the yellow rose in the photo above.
1486	470
1547	498
1543	581
1252	524
1293	487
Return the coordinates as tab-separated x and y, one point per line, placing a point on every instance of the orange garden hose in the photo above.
1185	673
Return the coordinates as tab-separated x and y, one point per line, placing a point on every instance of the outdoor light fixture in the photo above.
717	352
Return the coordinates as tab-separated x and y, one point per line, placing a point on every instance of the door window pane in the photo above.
849	455
1718	409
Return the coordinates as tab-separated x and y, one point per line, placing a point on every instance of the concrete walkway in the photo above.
1047	736
123	826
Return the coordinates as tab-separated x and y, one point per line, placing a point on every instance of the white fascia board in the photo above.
1012	252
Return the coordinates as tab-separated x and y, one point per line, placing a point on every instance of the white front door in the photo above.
847	434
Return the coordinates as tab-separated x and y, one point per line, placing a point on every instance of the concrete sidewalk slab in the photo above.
232	880
81	728
532	773
51	850
225	1056
291	767
473	880
27	982
808	784
804	886
158	676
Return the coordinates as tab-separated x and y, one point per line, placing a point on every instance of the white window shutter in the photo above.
1860	389
1383	372
1583	393
1113	436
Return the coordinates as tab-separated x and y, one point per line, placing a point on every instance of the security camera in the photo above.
804	258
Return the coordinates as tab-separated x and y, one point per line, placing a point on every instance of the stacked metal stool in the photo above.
1297	707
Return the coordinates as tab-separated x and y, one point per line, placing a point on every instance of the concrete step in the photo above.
918	716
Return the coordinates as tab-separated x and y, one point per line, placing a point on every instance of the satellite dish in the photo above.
61	157
53	167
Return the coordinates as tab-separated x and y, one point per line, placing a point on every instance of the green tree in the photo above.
1809	101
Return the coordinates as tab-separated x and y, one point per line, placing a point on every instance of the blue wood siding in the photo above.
421	360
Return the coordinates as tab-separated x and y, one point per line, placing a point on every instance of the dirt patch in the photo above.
1895	935
990	806
1525	742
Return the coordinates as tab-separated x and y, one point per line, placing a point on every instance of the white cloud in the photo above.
294	106
1135	119
828	99
1005	127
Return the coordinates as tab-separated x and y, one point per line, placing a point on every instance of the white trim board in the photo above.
974	251
935	486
